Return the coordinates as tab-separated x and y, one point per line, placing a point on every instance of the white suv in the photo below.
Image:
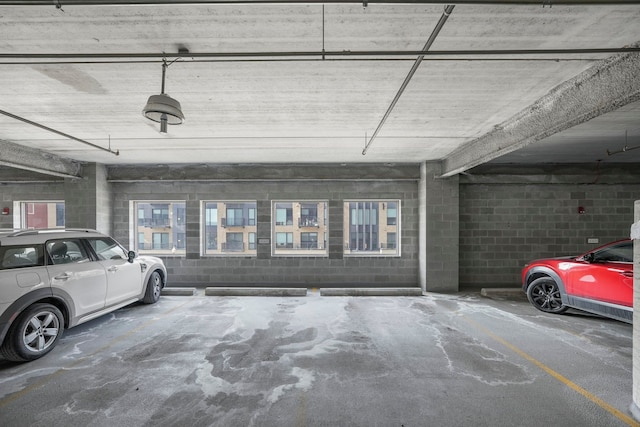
56	279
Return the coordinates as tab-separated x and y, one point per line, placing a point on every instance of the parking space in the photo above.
432	360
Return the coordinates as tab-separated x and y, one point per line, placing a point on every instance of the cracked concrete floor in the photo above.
435	360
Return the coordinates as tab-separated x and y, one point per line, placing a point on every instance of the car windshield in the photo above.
621	252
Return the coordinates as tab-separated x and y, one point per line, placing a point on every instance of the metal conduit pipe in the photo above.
61	3
320	54
66	135
443	18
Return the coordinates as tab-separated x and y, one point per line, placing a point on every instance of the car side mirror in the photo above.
131	256
589	257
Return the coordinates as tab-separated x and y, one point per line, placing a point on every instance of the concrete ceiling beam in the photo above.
605	87
22	157
265	172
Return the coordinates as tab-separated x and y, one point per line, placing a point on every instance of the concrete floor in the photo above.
434	360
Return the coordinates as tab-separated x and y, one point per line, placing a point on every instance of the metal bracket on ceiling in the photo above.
365	3
547	3
625	148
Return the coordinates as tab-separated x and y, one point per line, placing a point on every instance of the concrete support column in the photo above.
439	200
88	201
635	405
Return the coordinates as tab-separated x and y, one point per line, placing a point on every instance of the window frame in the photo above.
157	225
297	227
378	228
24	208
247	226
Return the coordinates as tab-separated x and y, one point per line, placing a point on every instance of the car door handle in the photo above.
63	276
112	268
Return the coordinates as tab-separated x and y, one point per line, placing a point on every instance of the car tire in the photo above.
544	294
34	333
154	288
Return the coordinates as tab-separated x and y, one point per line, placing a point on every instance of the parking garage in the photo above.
301	165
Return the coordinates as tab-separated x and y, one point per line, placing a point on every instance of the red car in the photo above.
600	282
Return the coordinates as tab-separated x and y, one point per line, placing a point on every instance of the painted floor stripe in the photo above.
595	399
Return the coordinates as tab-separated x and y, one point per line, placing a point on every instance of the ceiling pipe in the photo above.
443	18
62	3
321	54
22	119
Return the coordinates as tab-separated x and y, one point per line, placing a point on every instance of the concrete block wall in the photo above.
503	226
334	270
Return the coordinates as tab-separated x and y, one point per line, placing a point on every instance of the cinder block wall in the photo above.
334	270
503	226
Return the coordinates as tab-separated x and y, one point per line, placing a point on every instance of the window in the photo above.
371	228
42	215
234	243
284	240
299	228
160	227
181	214
229	228
59	214
284	214
21	256
392	213
621	252
391	241
160	241
66	251
235	217
308	215
160	216
309	240
106	248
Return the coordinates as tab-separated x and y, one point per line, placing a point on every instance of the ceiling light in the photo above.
162	108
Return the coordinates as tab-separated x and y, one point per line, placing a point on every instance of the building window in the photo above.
284	240
299	228
40	215
309	240
181	214
284	213
234	243
391	241
371	228
229	228
160	227
392	213
59	214
160	241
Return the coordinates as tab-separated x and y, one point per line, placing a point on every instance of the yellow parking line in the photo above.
604	405
53	375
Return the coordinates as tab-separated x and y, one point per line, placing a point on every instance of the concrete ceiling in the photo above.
504	83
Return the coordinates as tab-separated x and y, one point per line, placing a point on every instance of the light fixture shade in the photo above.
163	105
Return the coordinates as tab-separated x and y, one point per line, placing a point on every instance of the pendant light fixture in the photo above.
162	108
